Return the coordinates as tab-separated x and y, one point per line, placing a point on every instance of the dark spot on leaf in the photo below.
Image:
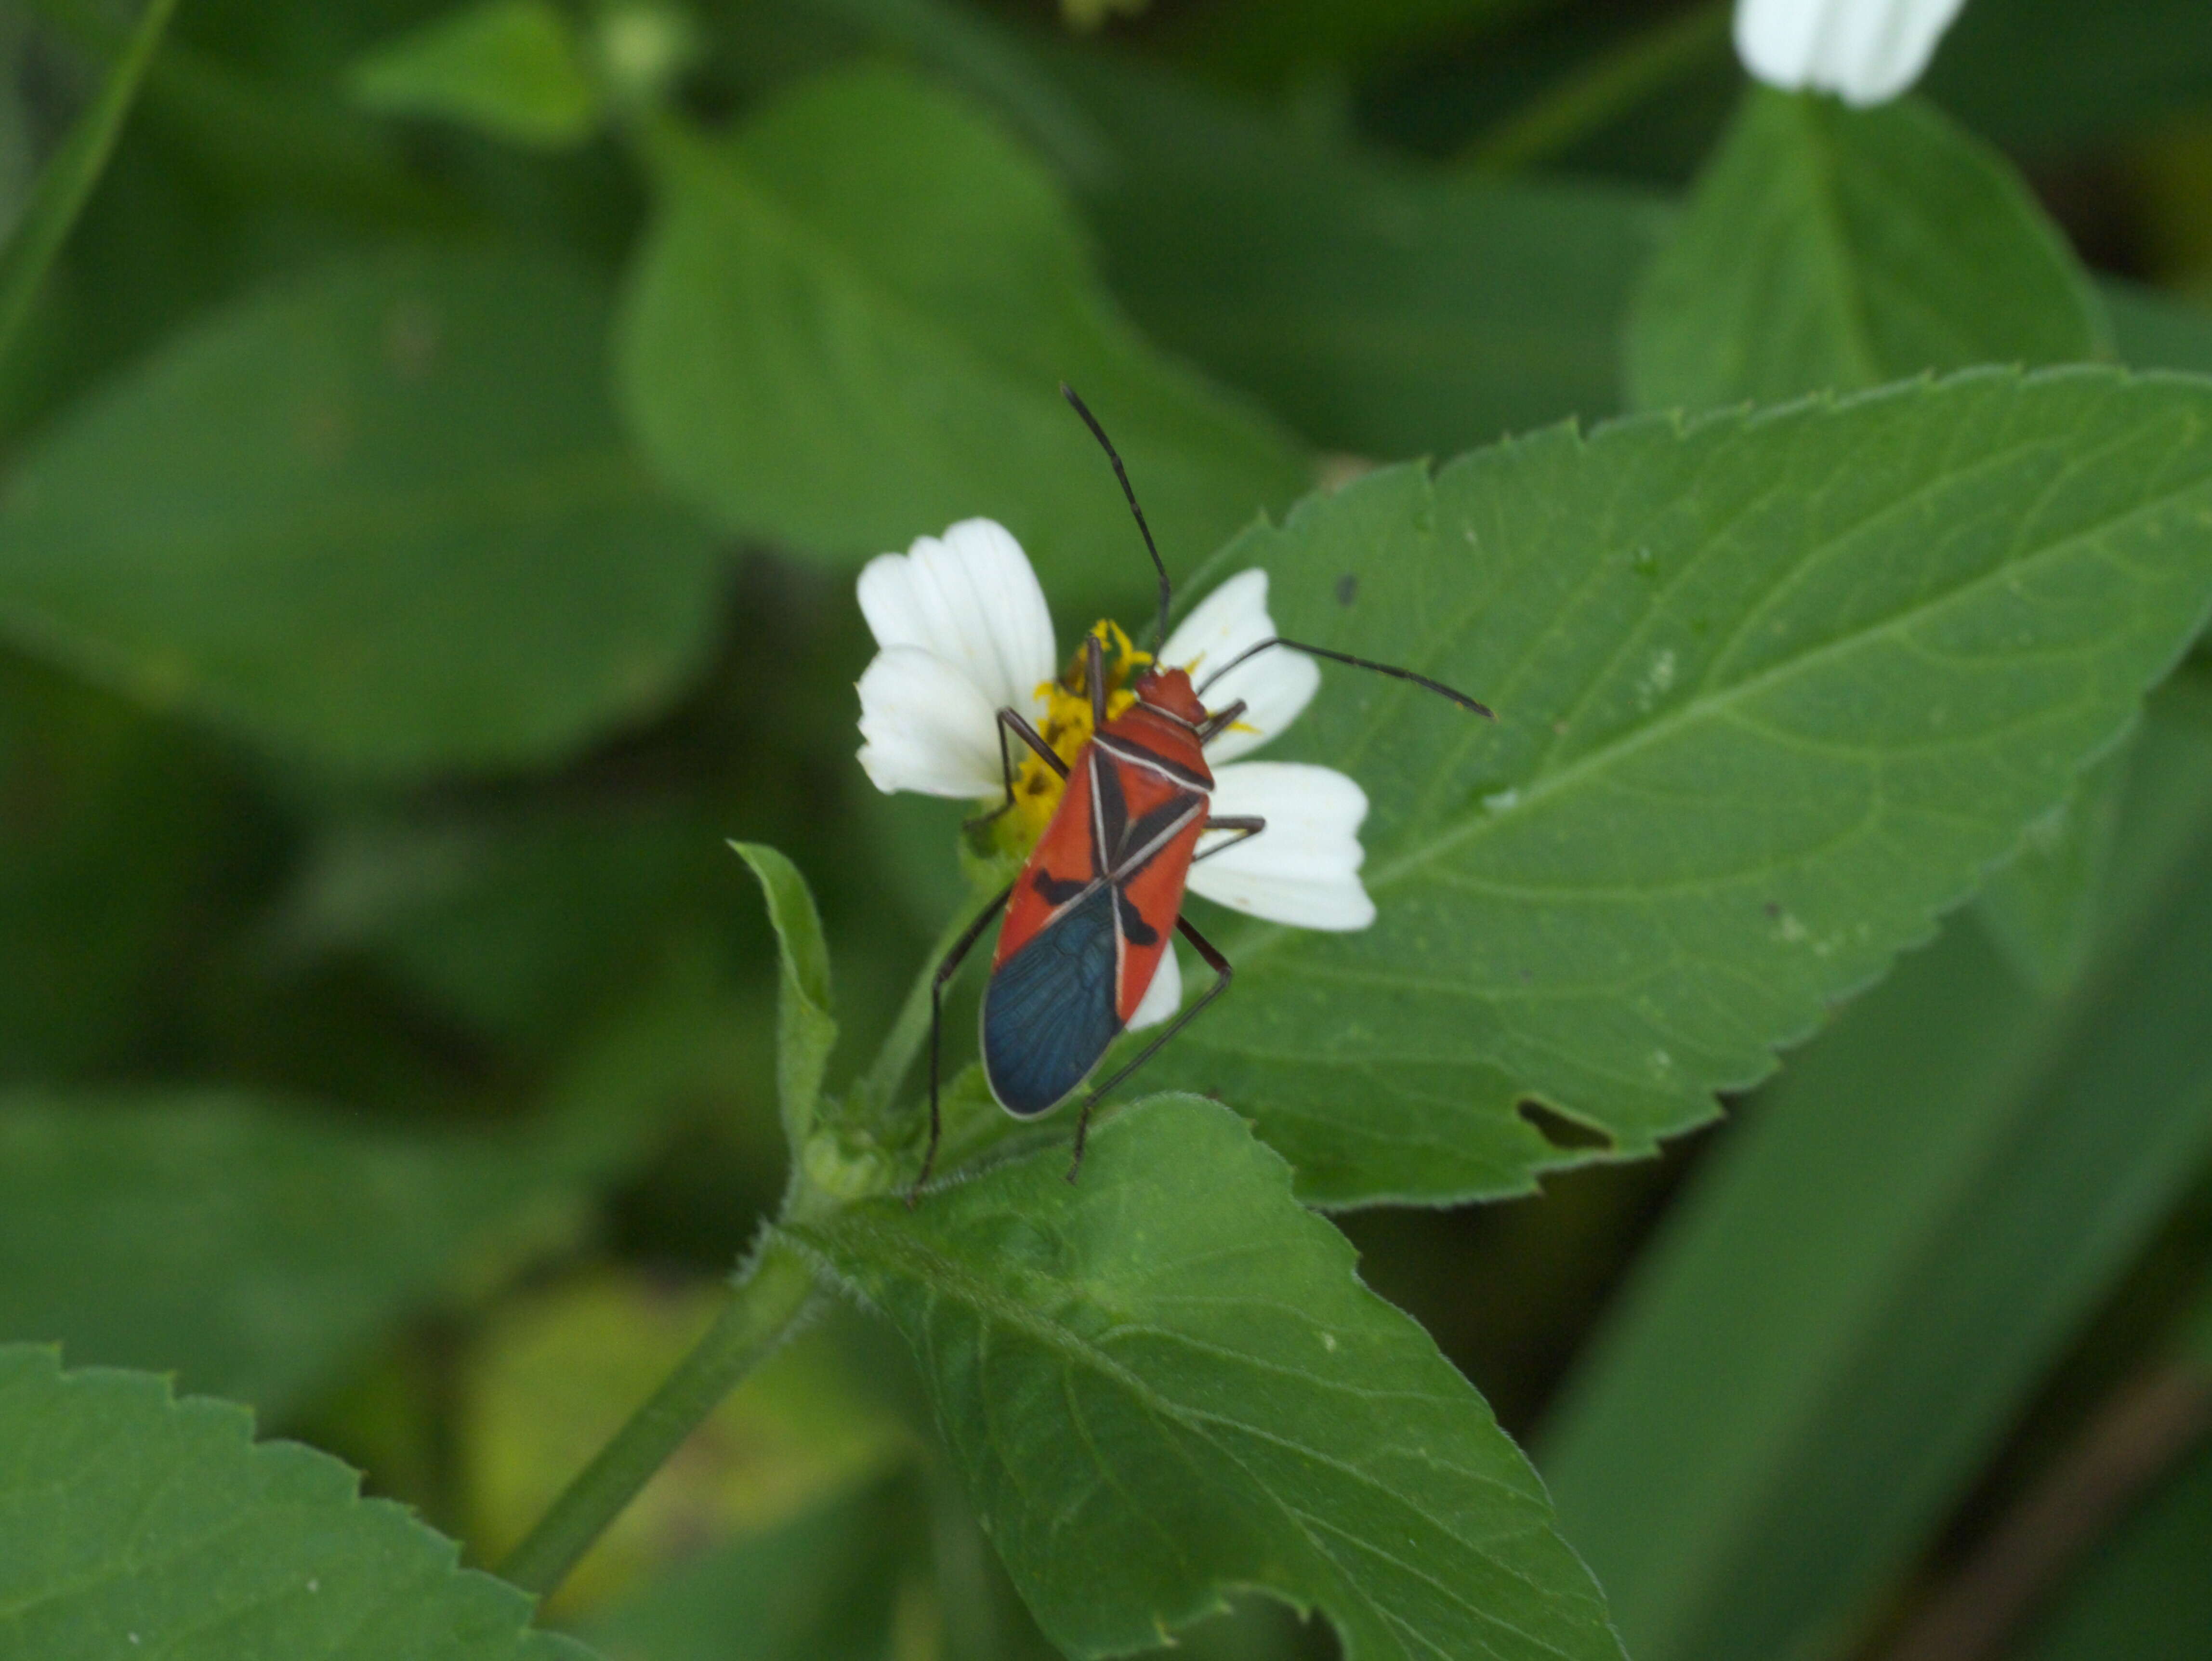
1347	589
1773	908
1571	1135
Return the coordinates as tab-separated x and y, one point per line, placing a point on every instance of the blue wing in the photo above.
1048	1012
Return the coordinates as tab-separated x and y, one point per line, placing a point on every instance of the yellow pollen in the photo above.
1067	727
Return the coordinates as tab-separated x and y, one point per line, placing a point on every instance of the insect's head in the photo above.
1169	689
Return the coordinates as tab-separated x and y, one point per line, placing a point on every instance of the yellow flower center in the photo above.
1067	727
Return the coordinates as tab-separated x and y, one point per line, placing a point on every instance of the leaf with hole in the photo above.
1773	690
1852	1306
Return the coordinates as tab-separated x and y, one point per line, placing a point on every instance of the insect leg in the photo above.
1094	671
945	970
1012	721
1219	721
1247	825
1219	966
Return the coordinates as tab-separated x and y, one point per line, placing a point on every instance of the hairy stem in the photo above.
772	1295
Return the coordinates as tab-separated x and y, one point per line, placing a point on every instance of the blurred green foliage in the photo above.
436	443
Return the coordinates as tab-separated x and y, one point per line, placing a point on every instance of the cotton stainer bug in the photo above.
1090	916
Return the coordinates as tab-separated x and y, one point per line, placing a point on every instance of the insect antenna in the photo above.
1389	669
1159	628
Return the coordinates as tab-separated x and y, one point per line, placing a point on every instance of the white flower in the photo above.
1275	686
1865	51
964	631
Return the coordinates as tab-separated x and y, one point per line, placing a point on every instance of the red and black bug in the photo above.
1089	918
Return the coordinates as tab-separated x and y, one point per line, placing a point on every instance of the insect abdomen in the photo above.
1048	1012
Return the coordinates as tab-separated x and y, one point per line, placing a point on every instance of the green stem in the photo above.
66	181
769	1299
1603	90
904	1040
272	134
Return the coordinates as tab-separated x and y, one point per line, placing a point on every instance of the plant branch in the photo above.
66	181
272	134
1600	91
2141	1433
772	1296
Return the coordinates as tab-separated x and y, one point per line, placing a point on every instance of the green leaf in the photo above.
804	1030
383	518
513	68
1385	309
1165	1383
520	917
2043	75
118	831
65	182
2041	907
2154	331
1773	690
132	1523
1837	248
830	1585
988	55
248	1248
848	326
1830	248
1850	1309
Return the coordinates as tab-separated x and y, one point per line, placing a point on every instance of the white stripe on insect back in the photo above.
1144	856
1137	755
1103	855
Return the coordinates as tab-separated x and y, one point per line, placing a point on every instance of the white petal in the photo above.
1163	996
1275	686
928	726
1303	869
970	598
1864	50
